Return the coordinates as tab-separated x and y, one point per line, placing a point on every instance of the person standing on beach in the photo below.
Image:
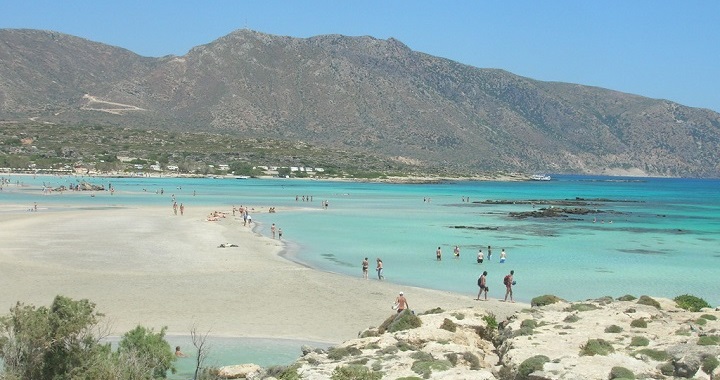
272	230
175	207
182	209
379	269
401	303
489	253
509	281
456	252
280	233
503	256
438	254
480	257
482	284
365	266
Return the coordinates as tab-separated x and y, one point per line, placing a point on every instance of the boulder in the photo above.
239	371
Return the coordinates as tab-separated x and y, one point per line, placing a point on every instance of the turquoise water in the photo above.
664	237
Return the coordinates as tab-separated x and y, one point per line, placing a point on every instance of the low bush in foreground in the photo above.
355	372
530	365
657	355
621	373
547	299
709	317
709	340
425	366
337	353
649	301
641	323
690	302
639	341
596	347
627	297
709	363
448	325
404	321
613	329
581	307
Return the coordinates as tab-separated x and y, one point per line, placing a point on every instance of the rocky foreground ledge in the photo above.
631	338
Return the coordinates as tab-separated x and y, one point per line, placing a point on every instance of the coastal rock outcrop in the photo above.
642	338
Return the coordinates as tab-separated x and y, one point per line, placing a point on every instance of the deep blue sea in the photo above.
650	236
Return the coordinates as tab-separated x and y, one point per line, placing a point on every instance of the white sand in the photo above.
149	267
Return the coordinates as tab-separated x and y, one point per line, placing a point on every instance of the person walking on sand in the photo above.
272	230
482	284
401	303
438	254
503	256
365	266
379	269
480	257
509	281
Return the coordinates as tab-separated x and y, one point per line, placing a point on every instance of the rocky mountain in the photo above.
359	94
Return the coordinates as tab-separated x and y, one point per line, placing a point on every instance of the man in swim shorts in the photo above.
365	265
480	256
401	303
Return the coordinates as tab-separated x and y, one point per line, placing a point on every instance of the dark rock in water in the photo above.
476	228
554	212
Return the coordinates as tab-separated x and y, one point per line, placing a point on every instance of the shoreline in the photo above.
149	267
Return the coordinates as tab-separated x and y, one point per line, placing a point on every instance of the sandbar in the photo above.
147	266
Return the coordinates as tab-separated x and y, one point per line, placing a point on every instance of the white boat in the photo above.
242	177
540	177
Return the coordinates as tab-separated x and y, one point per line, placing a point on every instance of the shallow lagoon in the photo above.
663	240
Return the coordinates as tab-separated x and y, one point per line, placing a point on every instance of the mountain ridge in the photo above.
357	93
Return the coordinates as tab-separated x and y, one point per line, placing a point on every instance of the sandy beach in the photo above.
147	266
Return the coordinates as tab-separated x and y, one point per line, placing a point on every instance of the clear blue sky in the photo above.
655	48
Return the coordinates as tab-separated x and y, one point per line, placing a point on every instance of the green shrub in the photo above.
389	350
667	369
422	356
709	317
355	372
409	378
425	367
638	341
491	321
690	303
709	340
613	329
527	327
377	365
448	325
649	301
701	321
621	373
627	297
458	316
596	347
473	360
709	363
581	307
361	361
571	318
641	323
657	355
337	353
531	365
547	299
403	321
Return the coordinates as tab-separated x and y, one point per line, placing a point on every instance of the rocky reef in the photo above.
605	338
